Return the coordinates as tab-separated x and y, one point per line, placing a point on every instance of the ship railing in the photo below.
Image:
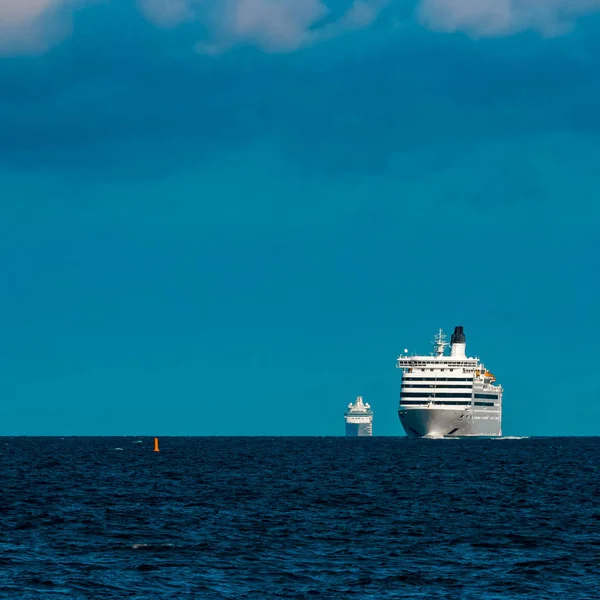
437	364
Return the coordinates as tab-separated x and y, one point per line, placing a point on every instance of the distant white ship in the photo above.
359	419
448	396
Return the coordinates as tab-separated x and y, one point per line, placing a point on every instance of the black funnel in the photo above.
458	337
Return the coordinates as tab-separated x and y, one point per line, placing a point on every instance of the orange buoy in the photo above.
156	445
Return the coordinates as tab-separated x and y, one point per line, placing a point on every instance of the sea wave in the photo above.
225	518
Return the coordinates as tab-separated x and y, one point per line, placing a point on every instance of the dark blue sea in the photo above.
209	518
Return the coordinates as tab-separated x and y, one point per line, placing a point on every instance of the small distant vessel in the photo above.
448	396
359	419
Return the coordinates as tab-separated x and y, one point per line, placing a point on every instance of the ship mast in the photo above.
439	343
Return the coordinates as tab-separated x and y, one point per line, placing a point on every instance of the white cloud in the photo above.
279	25
274	25
285	25
486	18
167	13
32	25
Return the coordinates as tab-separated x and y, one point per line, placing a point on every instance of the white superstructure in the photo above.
359	418
448	396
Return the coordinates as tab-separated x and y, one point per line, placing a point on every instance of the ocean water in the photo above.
96	518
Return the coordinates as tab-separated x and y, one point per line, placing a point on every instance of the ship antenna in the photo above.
440	343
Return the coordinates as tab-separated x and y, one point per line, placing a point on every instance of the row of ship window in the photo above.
445	402
404	394
423	365
438	378
466	386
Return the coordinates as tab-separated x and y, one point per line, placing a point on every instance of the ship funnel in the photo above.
458	343
458	337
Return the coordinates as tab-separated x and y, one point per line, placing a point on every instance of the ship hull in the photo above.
436	422
359	429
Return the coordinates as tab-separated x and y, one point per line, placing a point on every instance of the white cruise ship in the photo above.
448	396
359	419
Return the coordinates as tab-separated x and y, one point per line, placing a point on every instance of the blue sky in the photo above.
228	218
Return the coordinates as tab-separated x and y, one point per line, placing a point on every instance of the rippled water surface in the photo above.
299	518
